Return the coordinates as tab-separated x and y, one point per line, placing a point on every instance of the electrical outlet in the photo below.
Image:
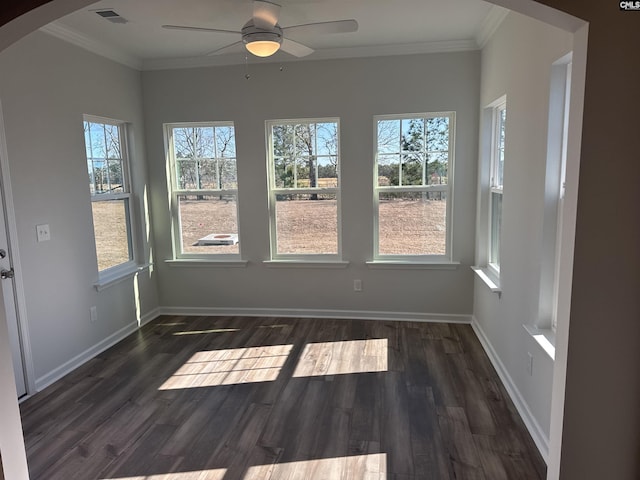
43	233
93	314
357	285
530	364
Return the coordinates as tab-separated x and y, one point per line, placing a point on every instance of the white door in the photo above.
8	295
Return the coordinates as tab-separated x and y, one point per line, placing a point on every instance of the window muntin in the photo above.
496	185
108	169
204	189
304	188
413	183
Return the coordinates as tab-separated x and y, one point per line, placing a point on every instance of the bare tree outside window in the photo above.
109	189
205	186
304	181
413	161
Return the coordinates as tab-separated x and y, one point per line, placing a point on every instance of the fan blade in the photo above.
265	14
339	26
235	47
294	48
197	29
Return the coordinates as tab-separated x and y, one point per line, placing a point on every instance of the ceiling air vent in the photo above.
112	16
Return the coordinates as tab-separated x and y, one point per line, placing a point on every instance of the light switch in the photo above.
44	235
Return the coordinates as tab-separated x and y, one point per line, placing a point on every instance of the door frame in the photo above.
12	239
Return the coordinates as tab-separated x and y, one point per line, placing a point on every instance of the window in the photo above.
304	193
496	184
108	169
204	190
413	186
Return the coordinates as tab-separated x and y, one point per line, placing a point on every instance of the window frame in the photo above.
498	125
273	191
175	192
108	274
447	257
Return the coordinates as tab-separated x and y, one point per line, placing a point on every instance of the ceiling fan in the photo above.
262	36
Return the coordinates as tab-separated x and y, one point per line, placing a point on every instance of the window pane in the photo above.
438	134
283	140
412	223
284	172
116	180
225	142
327	172
204	142
388	136
413	134
96	135
437	168
87	139
305	138
297	162
183	143
388	170
110	224
101	184
187	174
502	116
112	139
208	174
209	224
327	142
412	169
307	224
228	174
496	228
305	169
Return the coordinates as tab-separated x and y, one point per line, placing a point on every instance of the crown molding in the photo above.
490	24
69	35
325	54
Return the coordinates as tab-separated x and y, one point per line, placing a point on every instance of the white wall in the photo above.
45	87
517	62
353	90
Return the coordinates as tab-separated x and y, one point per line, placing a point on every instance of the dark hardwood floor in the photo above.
273	399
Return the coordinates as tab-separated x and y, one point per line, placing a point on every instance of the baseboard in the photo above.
316	313
147	317
534	428
67	367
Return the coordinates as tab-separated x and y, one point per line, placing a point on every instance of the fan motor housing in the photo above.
251	33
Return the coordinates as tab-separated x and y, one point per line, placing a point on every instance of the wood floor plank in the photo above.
459	443
477	409
426	439
396	426
267	398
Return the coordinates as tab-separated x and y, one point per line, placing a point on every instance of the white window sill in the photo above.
407	264
545	337
489	279
201	263
120	275
305	264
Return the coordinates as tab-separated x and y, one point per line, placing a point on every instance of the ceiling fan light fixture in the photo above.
259	42
262	48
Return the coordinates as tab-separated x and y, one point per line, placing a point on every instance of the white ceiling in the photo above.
386	27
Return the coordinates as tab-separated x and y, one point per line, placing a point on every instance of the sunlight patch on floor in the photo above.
354	467
344	357
217	474
229	367
371	466
204	332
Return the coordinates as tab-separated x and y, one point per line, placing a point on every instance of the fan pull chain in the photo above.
246	67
